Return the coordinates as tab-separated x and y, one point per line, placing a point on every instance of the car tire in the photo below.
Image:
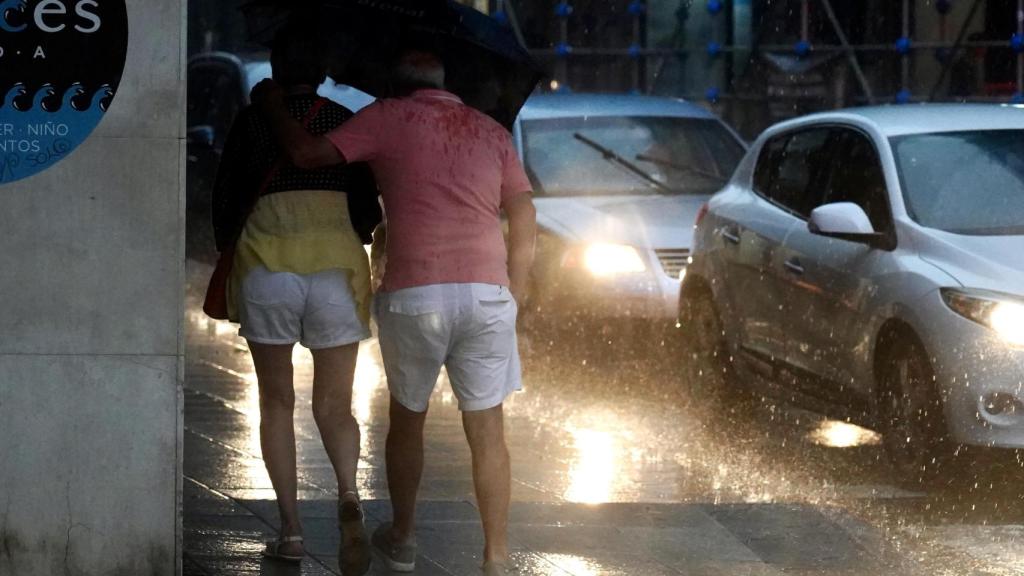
915	435
545	334
708	362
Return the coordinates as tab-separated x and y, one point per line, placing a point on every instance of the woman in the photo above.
300	274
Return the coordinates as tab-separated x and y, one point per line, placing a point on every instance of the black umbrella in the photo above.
485	64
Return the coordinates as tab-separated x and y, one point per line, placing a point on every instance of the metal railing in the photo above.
904	47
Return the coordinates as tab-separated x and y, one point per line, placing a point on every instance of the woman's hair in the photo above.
298	58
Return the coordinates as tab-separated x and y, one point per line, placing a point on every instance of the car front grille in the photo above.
672	260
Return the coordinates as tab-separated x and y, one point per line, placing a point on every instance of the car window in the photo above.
768	163
964	182
856	176
790	168
684	155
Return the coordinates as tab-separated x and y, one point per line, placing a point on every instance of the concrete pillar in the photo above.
91	345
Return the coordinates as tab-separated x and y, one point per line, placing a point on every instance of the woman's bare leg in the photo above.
333	373
273	365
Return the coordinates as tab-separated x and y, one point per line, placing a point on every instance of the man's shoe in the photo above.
354	551
400	557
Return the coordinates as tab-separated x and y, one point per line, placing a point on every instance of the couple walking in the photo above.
446	173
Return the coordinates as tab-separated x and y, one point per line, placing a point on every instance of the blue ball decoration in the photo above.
714	6
501	16
637	8
635	51
562	49
712	94
714	48
903	45
1017	42
802	48
1018	98
943	6
903	96
563	10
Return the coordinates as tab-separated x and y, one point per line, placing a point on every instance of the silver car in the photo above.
874	259
617	180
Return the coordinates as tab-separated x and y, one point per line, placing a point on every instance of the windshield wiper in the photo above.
681	168
611	156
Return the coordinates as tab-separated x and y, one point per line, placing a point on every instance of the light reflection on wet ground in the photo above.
837	434
573	564
593	430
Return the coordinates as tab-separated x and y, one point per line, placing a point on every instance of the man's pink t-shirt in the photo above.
444	170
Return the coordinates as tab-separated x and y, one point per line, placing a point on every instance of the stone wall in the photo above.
91	345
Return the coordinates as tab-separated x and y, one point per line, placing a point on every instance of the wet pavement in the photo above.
623	462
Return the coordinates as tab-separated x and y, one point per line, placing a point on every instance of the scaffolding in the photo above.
905	47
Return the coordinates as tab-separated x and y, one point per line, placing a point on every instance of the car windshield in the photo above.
968	183
601	155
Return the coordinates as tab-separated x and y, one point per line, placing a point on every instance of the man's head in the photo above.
417	69
297	59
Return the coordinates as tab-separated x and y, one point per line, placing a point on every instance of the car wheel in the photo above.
532	327
915	437
543	332
706	351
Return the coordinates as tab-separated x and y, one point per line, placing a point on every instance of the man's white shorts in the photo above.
468	328
317	310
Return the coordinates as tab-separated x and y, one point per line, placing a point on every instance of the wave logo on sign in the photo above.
60	65
42	134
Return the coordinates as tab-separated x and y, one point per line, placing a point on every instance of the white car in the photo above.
616	180
874	259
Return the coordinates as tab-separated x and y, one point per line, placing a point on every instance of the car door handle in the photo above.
731	234
794	266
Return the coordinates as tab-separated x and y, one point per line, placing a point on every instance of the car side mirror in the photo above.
202	136
846	221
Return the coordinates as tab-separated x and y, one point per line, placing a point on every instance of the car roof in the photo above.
543	106
905	119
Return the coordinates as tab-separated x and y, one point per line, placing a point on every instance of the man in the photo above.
446	172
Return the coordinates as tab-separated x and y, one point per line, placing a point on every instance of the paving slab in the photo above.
596	491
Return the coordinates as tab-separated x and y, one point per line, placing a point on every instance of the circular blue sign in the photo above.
60	65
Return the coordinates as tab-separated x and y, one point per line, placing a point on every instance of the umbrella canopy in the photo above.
485	64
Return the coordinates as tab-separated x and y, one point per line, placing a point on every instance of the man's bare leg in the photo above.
492	478
404	456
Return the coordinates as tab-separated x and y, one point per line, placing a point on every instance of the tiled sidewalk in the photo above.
223	537
584	503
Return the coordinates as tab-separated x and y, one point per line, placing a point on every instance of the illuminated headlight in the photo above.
1003	314
610	259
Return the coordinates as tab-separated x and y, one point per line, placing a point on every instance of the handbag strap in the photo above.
306	120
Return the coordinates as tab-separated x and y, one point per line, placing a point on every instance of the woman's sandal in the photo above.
273	549
354	551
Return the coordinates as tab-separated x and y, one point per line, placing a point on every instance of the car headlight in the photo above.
610	259
1003	314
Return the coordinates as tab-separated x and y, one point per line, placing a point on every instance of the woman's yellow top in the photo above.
302	232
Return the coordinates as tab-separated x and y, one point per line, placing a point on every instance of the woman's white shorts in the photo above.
316	310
